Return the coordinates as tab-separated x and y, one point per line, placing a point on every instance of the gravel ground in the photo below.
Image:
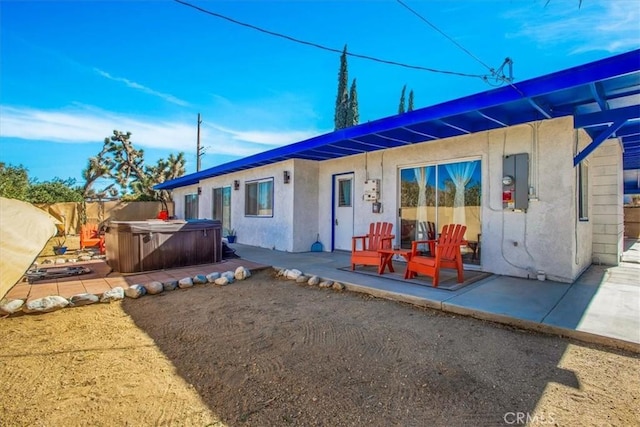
269	352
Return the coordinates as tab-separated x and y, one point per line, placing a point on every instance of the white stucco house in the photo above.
533	169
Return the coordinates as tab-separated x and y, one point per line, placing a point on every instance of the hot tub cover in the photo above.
159	226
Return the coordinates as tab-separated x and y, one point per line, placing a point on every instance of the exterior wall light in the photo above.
236	184
286	177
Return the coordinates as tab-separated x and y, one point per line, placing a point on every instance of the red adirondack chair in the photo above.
90	236
364	249
447	255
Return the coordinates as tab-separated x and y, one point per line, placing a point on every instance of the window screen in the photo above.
583	191
191	206
259	198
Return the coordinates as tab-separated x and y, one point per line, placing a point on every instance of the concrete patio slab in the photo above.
623	274
518	298
606	310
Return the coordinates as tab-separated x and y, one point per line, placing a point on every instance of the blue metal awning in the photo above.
602	96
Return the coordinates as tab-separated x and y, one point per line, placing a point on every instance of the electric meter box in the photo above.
371	190
515	182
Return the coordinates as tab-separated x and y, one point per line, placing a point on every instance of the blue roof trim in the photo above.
610	86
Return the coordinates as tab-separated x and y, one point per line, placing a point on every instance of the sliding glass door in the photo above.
438	194
222	207
417	203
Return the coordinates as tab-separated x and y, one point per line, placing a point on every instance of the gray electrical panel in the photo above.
515	181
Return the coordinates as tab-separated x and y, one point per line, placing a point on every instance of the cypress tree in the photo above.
353	116
401	106
410	107
342	99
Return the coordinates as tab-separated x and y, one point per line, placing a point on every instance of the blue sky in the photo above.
73	71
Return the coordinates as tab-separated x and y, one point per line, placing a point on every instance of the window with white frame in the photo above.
258	198
583	191
191	206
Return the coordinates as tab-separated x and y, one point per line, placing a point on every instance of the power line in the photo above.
330	49
500	77
445	35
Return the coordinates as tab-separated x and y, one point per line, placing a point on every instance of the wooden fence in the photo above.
72	215
632	222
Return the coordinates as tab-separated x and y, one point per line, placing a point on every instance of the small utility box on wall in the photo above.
515	182
371	190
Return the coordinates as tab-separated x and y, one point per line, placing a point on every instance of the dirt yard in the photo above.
72	242
266	352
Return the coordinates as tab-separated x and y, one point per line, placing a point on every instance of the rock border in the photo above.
52	303
300	278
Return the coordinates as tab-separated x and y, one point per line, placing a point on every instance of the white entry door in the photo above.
343	212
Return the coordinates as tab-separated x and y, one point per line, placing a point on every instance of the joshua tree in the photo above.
120	161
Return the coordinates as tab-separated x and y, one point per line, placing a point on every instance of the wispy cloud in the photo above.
263	137
86	124
275	111
598	25
142	88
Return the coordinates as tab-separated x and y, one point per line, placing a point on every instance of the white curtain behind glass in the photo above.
460	174
422	177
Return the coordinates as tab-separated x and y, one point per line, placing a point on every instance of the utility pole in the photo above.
199	150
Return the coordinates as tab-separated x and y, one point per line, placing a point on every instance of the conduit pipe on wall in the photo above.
533	183
534	168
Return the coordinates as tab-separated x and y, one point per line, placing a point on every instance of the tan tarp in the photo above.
24	231
70	214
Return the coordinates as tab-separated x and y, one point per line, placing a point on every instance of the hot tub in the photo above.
135	246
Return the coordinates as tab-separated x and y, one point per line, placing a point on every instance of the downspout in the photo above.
535	149
576	220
